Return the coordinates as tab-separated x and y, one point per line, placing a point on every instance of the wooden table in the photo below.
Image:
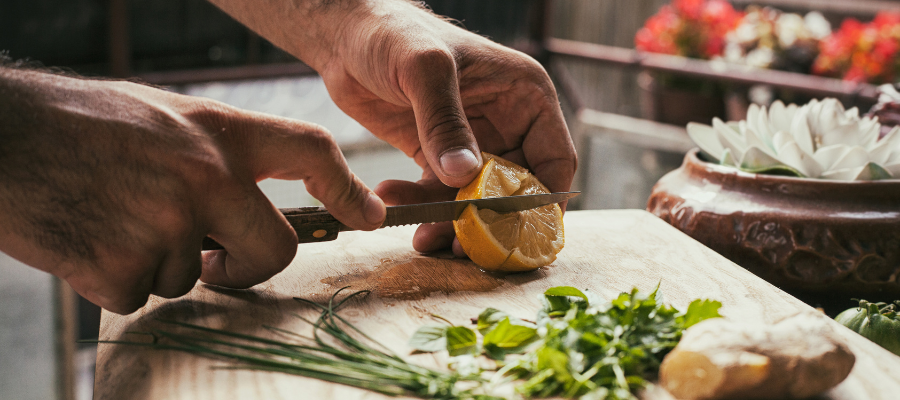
606	252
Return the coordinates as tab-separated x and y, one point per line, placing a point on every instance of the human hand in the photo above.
435	91
112	186
440	94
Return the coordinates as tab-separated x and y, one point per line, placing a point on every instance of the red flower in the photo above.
862	52
689	9
690	28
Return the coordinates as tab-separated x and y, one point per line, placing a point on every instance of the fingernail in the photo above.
374	211
458	162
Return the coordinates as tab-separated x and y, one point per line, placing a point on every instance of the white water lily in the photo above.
817	140
887	93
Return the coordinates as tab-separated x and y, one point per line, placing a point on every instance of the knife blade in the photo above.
316	224
451	210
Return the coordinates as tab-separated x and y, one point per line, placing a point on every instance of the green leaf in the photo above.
508	336
489	318
429	338
700	310
552	359
566	291
560	299
461	340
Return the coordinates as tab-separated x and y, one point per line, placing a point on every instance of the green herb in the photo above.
489	318
349	361
429	338
461	340
579	348
508	336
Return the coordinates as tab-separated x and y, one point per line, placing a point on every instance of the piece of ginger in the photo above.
798	357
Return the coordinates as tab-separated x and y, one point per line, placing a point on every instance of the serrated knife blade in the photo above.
316	224
451	210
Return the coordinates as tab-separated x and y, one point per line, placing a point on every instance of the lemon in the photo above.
518	241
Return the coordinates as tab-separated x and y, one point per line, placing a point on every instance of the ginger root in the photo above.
798	357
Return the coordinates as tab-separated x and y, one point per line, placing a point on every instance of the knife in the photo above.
316	224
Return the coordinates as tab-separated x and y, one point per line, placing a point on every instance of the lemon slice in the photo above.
519	241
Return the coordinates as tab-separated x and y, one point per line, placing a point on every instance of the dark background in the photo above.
167	35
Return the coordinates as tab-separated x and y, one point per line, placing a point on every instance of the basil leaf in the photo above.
560	299
461	340
508	337
700	310
566	291
430	338
489	318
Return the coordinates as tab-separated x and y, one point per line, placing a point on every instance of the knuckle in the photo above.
178	288
123	301
433	60
445	123
320	141
207	112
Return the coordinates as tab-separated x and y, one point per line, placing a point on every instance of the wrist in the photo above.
377	30
307	29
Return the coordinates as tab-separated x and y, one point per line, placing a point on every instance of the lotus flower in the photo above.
817	140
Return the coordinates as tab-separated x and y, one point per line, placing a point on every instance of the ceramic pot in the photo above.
803	235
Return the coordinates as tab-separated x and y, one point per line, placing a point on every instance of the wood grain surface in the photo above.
606	252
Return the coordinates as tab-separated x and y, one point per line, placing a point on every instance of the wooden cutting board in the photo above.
606	252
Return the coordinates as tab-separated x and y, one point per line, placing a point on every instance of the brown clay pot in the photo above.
803	235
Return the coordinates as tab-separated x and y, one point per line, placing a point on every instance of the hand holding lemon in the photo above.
519	241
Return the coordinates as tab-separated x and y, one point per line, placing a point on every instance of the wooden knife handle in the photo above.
312	224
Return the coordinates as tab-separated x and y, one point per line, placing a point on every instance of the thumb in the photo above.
430	82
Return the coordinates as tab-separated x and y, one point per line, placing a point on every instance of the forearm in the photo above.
37	172
312	30
54	132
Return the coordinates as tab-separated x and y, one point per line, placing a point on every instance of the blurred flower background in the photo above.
766	37
689	28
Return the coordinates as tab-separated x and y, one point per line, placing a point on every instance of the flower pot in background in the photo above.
826	239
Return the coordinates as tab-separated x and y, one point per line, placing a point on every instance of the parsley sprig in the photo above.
578	346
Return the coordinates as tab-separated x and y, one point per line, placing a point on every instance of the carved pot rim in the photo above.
693	159
811	188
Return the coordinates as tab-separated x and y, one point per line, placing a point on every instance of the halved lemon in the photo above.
518	241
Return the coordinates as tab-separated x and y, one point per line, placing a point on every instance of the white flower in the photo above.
760	57
817	25
887	93
818	140
764	33
788	27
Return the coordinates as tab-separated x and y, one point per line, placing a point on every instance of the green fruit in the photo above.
877	322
